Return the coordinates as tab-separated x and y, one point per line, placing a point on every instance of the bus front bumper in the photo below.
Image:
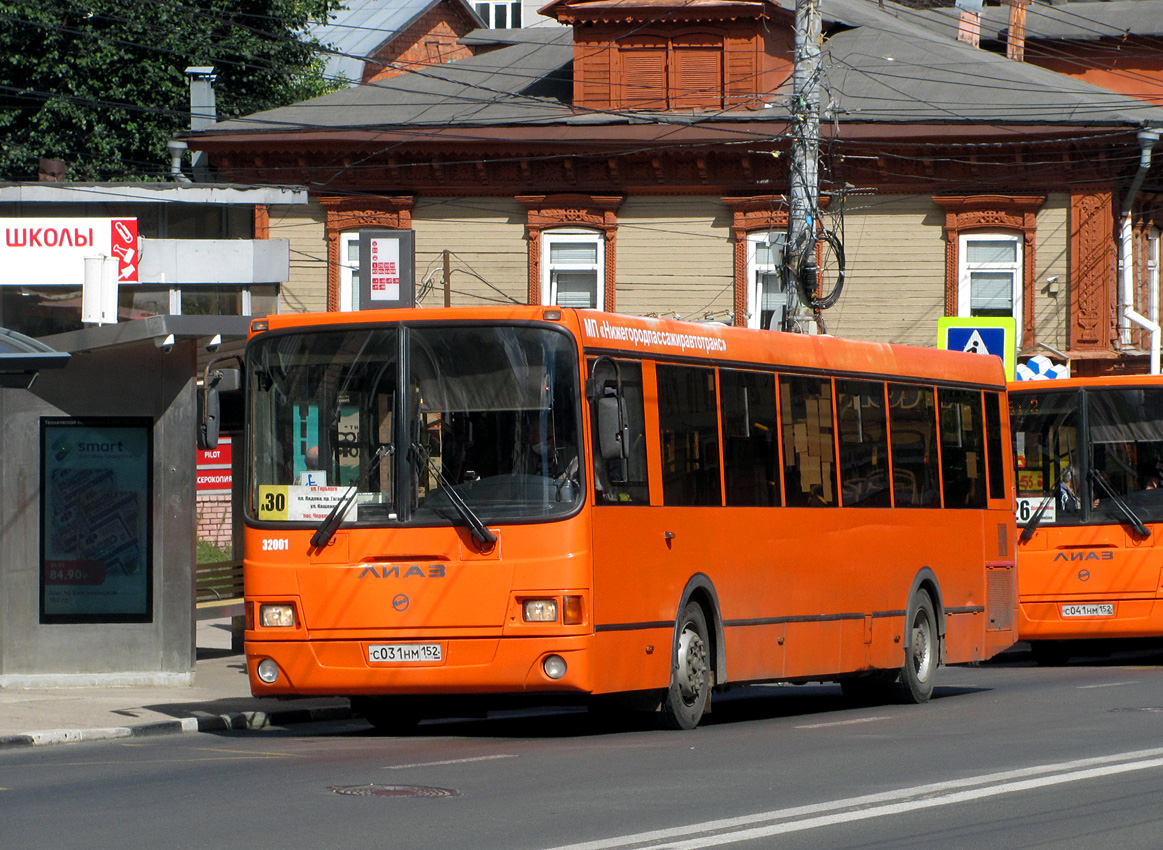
466	666
1087	618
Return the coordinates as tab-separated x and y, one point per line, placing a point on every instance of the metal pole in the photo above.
447	279
800	257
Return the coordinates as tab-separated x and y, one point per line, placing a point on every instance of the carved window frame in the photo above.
588	212
346	214
764	213
1014	213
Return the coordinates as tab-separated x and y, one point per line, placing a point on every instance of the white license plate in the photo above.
1105	609
406	652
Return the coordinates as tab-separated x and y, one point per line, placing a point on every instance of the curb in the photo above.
211	723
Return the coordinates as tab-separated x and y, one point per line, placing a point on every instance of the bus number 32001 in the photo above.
277	544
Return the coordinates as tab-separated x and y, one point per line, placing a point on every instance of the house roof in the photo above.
358	30
879	68
1072	21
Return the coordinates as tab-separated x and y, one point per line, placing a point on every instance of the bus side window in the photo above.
996	471
609	485
809	441
689	426
912	423
864	479
750	451
962	448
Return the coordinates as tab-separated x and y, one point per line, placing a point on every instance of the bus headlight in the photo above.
540	611
275	616
268	671
554	666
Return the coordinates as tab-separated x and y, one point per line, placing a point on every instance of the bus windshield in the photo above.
1105	471
485	428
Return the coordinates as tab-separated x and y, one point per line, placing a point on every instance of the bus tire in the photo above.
922	651
690	671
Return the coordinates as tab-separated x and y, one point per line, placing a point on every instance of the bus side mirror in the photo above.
612	437
215	382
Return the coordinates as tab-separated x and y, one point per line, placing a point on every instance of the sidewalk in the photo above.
219	699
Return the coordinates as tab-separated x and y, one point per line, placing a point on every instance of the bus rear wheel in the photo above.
922	651
690	671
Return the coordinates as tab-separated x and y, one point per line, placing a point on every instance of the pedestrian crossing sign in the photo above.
981	335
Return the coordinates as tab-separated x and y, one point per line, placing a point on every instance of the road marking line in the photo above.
1106	685
799	818
450	761
842	723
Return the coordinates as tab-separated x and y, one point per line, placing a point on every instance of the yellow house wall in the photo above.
675	256
490	257
895	273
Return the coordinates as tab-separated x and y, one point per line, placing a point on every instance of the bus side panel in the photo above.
800	595
637	585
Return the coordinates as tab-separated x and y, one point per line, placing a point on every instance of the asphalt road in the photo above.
1005	756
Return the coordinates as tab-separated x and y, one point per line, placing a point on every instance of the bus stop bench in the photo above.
218	590
218	595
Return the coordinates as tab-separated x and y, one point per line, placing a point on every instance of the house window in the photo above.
349	270
500	14
572	267
989	275
766	298
683	72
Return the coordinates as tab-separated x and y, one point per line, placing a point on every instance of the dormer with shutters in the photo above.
677	55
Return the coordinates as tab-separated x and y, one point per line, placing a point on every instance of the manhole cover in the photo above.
393	791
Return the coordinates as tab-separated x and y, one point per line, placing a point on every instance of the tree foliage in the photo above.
101	84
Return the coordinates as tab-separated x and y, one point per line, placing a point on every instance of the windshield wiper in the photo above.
1123	507
330	524
480	532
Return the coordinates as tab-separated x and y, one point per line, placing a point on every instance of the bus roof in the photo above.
615	333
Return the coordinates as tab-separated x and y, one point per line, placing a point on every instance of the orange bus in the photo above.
1089	457
454	508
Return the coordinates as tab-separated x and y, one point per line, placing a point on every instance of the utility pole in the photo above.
800	251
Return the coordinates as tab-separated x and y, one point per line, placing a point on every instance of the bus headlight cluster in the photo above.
275	616
540	611
545	611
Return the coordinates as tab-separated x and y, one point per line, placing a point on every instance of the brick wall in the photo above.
431	40
214	521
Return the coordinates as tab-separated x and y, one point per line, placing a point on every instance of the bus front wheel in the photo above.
690	672
922	651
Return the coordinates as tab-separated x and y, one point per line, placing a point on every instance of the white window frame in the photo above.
573	234
965	270
755	269
489	16
348	271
